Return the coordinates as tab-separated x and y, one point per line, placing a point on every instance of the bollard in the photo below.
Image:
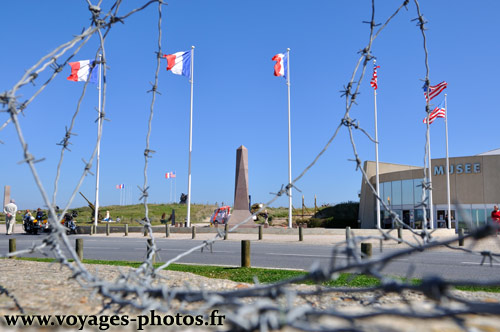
149	248
12	246
91	231
126	229
145	231
225	231
260	232
193	232
400	235
366	249
301	234
461	237
347	233
167	230
108	230
381	241
79	248
245	253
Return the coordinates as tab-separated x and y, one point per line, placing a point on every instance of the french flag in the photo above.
281	65
179	63
83	71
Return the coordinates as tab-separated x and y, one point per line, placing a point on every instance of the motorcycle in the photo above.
69	222
32	225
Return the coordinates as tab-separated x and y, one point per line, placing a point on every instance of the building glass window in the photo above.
479	217
417	185
396	193
464	218
387	193
407	191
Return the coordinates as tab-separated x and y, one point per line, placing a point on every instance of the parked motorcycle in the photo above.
32	225
69	222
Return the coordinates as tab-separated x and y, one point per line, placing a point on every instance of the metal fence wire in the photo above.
260	307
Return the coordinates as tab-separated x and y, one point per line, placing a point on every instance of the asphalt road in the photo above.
450	265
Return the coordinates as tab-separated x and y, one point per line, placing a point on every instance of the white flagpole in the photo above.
175	188
431	212
377	202
99	134
289	144
170	190
188	219
447	160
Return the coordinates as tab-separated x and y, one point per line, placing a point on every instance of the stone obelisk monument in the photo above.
241	202
6	195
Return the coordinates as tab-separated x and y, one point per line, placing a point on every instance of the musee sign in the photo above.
458	169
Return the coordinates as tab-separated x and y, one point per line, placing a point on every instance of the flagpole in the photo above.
431	212
188	218
99	133
377	202
447	161
289	144
170	191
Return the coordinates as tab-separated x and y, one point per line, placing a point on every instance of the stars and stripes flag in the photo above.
120	186
373	82
169	175
438	112
433	91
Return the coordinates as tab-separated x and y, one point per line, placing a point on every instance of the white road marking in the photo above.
486	263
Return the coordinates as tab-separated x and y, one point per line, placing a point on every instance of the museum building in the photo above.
474	190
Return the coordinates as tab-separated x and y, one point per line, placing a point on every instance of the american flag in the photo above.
120	186
172	174
438	112
434	90
169	175
373	82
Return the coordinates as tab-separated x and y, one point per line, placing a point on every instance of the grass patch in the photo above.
263	275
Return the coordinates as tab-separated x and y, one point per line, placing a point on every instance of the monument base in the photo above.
240	215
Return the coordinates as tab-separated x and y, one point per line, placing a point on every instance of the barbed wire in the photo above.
272	306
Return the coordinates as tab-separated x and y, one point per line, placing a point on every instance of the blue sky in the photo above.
238	101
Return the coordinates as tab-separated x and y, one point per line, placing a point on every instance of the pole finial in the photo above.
192	47
288	49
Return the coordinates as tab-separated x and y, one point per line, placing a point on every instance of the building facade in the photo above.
474	190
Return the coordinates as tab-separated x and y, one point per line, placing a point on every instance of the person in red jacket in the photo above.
495	216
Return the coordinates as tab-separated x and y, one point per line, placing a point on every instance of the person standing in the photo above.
10	211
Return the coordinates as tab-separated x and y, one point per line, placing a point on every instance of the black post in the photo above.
366	249
12	246
107	229
193	232
225	231
126	229
79	248
400	235
461	237
167	230
260	232
301	235
149	248
245	253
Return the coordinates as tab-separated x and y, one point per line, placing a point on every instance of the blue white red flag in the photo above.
373	82
433	91
83	71
281	65
179	63
120	186
167	175
438	112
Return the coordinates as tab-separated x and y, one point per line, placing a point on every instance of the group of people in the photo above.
10	211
